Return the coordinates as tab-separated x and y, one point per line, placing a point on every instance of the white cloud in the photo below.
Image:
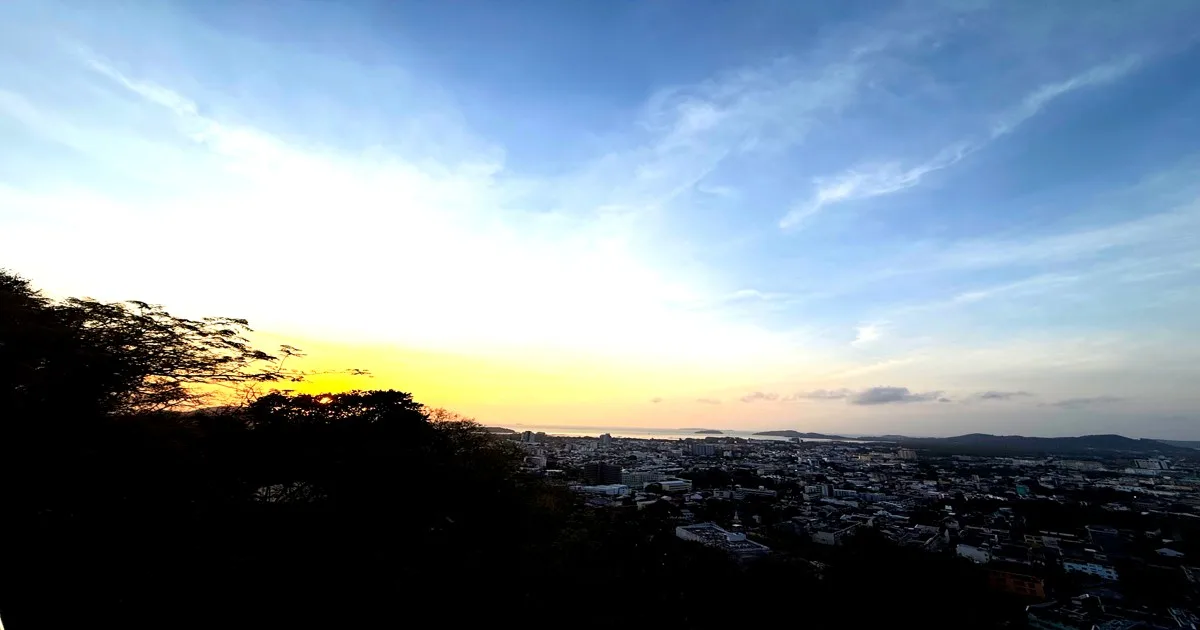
876	180
870	181
1044	95
867	333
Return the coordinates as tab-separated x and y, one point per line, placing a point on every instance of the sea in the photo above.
642	433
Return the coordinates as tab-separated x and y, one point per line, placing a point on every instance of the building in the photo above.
1017	583
978	555
599	473
1104	571
704	450
605	440
906	453
1080	464
527	437
639	478
832	536
712	535
608	489
741	493
675	485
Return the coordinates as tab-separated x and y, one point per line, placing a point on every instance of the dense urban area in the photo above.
1091	539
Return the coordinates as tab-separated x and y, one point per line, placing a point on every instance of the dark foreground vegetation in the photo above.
124	506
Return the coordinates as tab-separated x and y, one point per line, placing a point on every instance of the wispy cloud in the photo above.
819	394
759	396
690	130
708	401
997	395
869	181
890	395
656	400
874	180
1078	403
1033	103
1026	287
878	366
1163	227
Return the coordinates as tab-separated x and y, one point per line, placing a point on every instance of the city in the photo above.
1077	541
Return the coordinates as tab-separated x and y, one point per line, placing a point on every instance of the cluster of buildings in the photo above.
740	495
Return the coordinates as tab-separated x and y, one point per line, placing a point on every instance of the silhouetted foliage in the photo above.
79	354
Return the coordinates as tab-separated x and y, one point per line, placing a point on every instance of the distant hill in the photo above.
788	433
1183	443
985	444
710	432
501	430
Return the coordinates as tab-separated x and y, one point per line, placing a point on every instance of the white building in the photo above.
639	478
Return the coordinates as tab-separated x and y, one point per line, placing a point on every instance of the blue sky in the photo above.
924	217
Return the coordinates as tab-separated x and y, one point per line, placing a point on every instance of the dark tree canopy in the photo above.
121	356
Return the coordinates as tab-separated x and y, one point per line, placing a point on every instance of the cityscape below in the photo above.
1076	538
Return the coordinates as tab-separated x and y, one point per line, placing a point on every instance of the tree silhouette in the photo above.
82	354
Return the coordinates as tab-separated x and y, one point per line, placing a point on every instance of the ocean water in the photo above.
643	433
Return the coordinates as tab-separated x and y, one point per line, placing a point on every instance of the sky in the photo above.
927	217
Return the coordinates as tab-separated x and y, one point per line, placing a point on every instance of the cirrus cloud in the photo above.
1078	403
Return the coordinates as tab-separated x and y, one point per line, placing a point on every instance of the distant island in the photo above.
500	430
992	445
788	433
710	432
